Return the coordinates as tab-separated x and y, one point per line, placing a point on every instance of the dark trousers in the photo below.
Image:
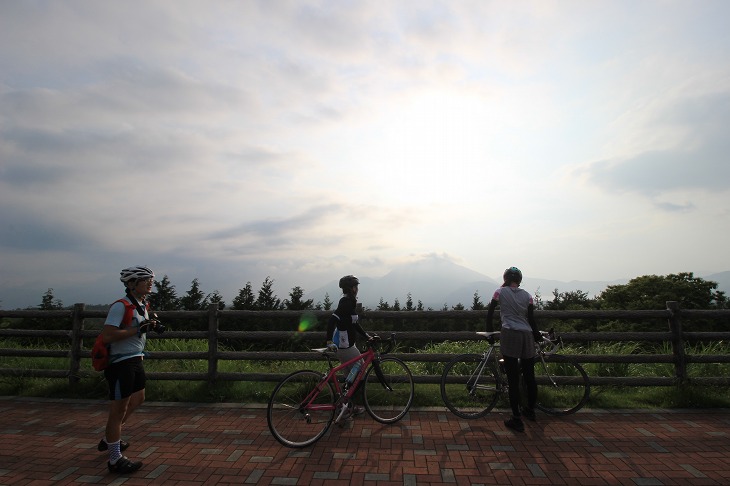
513	366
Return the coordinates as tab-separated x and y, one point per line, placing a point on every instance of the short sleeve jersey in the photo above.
513	304
132	346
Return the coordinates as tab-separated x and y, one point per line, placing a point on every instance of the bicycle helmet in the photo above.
512	274
136	273
348	281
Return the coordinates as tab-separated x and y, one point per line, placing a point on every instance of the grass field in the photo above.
427	395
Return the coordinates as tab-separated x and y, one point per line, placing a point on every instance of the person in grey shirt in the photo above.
517	341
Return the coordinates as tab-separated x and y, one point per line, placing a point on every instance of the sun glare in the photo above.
433	146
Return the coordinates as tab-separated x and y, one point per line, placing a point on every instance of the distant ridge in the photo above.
434	281
437	281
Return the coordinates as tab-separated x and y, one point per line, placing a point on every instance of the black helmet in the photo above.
348	281
512	274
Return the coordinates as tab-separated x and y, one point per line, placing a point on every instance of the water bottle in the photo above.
353	373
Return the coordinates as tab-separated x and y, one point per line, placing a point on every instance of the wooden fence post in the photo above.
675	327
212	343
76	341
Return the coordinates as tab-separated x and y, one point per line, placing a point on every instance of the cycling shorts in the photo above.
125	378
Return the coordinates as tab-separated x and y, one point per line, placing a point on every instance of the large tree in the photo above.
194	299
49	302
383	305
409	302
267	300
216	298
165	297
295	302
571	300
653	292
245	300
477	303
326	305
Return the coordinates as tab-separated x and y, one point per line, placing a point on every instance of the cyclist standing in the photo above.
125	373
344	325
517	341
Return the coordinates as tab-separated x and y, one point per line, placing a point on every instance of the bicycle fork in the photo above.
380	375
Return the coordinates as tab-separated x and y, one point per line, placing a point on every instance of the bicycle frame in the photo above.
550	345
472	383
303	405
368	357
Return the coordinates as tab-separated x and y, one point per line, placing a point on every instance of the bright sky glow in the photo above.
302	140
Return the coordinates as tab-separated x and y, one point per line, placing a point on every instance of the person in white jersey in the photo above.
125	330
517	341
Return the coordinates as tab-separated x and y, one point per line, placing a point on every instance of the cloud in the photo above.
33	232
274	228
696	160
228	141
672	207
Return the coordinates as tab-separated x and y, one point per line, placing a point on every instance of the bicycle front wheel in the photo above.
298	414
388	390
470	386
562	385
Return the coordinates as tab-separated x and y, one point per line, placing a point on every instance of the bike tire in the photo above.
293	423
562	385
470	387
388	390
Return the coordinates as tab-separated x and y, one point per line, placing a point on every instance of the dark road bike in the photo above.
472	383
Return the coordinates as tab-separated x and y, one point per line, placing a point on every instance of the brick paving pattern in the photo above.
54	442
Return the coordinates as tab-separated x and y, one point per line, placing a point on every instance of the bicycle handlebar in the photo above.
376	340
554	341
373	342
489	335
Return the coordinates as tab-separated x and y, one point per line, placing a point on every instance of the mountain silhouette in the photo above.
436	282
433	280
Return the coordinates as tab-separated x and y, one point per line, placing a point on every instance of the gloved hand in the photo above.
373	337
147	326
538	336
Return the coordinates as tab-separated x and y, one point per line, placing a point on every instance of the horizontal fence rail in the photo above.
80	330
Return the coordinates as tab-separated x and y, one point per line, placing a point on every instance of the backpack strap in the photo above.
128	313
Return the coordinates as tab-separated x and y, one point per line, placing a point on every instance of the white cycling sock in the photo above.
114	452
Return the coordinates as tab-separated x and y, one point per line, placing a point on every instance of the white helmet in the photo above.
136	273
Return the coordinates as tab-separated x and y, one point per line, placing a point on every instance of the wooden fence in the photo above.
213	335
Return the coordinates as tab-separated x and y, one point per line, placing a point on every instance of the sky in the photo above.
230	141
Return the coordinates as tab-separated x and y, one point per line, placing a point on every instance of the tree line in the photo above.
645	292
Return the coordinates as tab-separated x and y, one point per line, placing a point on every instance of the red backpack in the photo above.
100	351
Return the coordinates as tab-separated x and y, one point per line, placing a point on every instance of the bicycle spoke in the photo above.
297	418
563	386
470	387
388	390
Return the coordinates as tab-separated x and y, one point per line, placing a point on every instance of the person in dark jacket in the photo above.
344	327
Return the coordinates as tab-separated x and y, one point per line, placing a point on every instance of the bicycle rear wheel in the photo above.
388	390
295	419
470	386
562	385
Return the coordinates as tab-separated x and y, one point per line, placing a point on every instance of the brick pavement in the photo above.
54	442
